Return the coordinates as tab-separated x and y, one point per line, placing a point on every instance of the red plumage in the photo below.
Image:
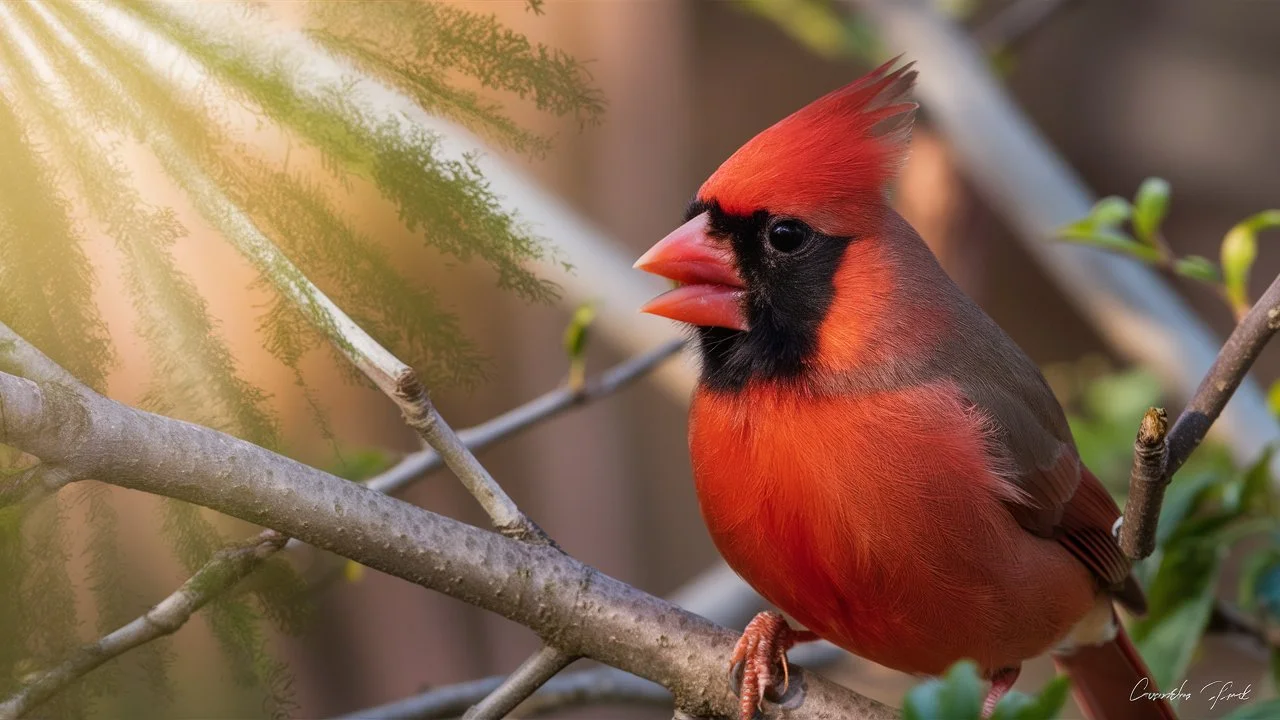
871	452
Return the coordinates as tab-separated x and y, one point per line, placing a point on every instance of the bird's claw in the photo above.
763	645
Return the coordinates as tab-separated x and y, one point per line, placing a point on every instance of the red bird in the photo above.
871	452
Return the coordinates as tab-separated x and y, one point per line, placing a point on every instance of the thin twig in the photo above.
227	567
532	674
1227	372
540	409
1157	458
1147	482
596	686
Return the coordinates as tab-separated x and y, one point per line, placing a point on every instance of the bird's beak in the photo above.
711	290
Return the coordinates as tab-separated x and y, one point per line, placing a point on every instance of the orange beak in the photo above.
711	291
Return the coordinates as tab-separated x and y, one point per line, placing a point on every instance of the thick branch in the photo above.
227	567
572	606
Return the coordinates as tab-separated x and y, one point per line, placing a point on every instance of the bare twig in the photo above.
585	687
1156	458
1225	375
542	408
227	567
1147	482
519	685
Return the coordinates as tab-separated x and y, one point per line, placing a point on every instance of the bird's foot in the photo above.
763	645
1001	682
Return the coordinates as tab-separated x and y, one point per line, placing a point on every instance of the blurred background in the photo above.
1182	89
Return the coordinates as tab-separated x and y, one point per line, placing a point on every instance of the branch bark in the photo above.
1156	458
548	405
572	606
519	685
596	686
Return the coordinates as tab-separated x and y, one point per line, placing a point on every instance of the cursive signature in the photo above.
1140	692
1216	691
1221	690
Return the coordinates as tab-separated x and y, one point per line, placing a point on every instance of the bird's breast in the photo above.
878	521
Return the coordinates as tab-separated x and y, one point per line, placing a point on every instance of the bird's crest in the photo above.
842	148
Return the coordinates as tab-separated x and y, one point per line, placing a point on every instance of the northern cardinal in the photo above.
871	452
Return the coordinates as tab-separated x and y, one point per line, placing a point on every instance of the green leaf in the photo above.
1180	601
1150	205
1239	250
1199	268
956	696
1181	498
1045	705
1110	211
575	335
1251	572
1273	398
1255	484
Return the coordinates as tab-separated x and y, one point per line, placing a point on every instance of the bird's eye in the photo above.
787	236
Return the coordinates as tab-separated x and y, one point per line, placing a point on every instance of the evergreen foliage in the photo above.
77	100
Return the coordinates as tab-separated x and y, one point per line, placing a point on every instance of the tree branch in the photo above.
544	407
227	567
519	685
570	605
1136	528
596	686
1156	458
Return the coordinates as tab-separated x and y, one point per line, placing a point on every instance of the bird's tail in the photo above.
1111	682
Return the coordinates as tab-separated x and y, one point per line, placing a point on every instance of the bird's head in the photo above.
790	216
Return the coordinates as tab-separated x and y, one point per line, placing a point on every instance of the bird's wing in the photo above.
1060	498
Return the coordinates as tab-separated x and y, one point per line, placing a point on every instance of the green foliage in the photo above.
1104	228
46	281
959	695
447	199
416	46
575	342
1150	205
70	111
1239	250
1209	507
